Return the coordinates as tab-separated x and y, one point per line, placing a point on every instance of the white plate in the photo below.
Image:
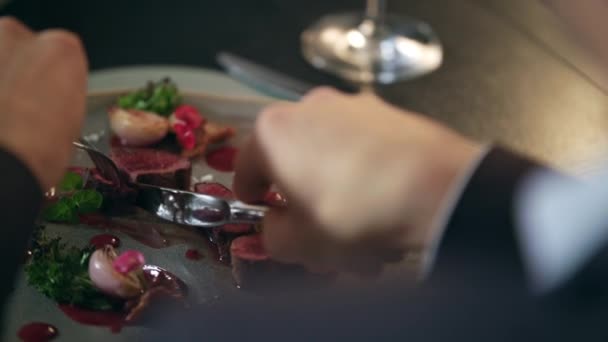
187	78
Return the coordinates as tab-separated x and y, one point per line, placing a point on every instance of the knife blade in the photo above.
264	79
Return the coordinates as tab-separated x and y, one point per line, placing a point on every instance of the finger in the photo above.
12	34
286	237
321	93
253	171
252	177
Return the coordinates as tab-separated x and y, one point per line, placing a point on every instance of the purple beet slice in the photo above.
153	166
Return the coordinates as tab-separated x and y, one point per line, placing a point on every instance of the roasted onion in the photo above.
137	127
117	276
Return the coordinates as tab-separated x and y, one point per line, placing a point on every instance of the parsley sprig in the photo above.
61	273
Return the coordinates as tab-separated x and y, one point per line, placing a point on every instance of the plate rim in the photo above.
190	93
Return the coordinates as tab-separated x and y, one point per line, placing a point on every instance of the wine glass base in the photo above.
364	50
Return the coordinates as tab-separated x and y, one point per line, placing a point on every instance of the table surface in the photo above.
511	75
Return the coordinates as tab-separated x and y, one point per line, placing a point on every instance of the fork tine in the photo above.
104	164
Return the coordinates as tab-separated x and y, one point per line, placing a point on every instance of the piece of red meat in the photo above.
153	166
253	269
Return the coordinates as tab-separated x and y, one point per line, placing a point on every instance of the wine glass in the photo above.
372	47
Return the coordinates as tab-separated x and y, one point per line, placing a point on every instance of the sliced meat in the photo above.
153	166
213	189
254	270
114	198
222	159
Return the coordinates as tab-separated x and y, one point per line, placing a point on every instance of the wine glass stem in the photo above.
375	10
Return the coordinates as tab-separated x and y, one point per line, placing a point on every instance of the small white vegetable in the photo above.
104	275
137	127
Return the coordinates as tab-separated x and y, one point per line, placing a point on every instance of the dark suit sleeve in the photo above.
20	202
480	235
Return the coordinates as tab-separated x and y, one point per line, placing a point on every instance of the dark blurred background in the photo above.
511	74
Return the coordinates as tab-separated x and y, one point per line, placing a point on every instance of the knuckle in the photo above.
10	24
62	41
268	119
323	92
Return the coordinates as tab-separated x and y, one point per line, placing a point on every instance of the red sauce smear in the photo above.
223	158
114	320
143	232
37	332
193	254
101	240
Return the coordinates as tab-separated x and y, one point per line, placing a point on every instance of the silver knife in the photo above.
194	209
268	81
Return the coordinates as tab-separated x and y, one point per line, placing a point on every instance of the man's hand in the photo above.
363	179
42	97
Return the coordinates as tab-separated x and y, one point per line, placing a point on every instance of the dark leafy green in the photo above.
87	201
61	273
159	97
74	202
61	211
71	181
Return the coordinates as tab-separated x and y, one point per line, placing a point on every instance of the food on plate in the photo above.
116	275
146	116
61	273
153	166
218	190
254	269
137	127
85	280
71	199
37	332
157	97
222	159
241	245
155	135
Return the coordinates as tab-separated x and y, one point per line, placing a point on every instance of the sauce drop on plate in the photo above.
101	240
193	254
223	158
114	320
37	332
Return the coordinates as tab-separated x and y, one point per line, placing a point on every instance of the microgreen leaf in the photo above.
87	201
158	97
71	181
61	211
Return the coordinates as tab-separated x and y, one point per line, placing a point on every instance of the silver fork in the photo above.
178	206
103	163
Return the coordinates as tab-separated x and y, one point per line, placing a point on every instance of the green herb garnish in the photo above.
71	181
61	211
158	97
76	201
87	201
61	273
